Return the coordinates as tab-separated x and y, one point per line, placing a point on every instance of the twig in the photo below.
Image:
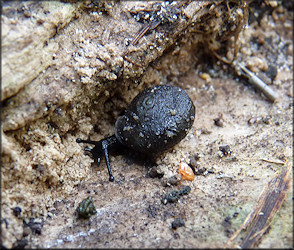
149	26
142	32
274	161
268	204
253	79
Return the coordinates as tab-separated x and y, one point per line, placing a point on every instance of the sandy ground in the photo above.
130	212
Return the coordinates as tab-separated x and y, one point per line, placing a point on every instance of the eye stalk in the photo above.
101	147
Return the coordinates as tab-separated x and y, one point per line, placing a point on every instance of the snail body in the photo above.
156	120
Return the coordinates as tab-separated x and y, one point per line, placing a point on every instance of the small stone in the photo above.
17	211
86	208
155	172
225	150
205	77
219	122
178	222
173	180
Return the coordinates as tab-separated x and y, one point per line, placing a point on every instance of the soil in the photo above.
130	211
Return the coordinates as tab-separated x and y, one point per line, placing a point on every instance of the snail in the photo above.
156	120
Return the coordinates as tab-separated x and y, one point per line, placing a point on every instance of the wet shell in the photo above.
157	119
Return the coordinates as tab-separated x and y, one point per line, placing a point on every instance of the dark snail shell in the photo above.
157	119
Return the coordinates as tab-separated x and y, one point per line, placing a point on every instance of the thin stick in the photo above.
268	204
266	90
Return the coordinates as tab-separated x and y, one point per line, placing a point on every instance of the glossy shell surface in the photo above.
156	120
